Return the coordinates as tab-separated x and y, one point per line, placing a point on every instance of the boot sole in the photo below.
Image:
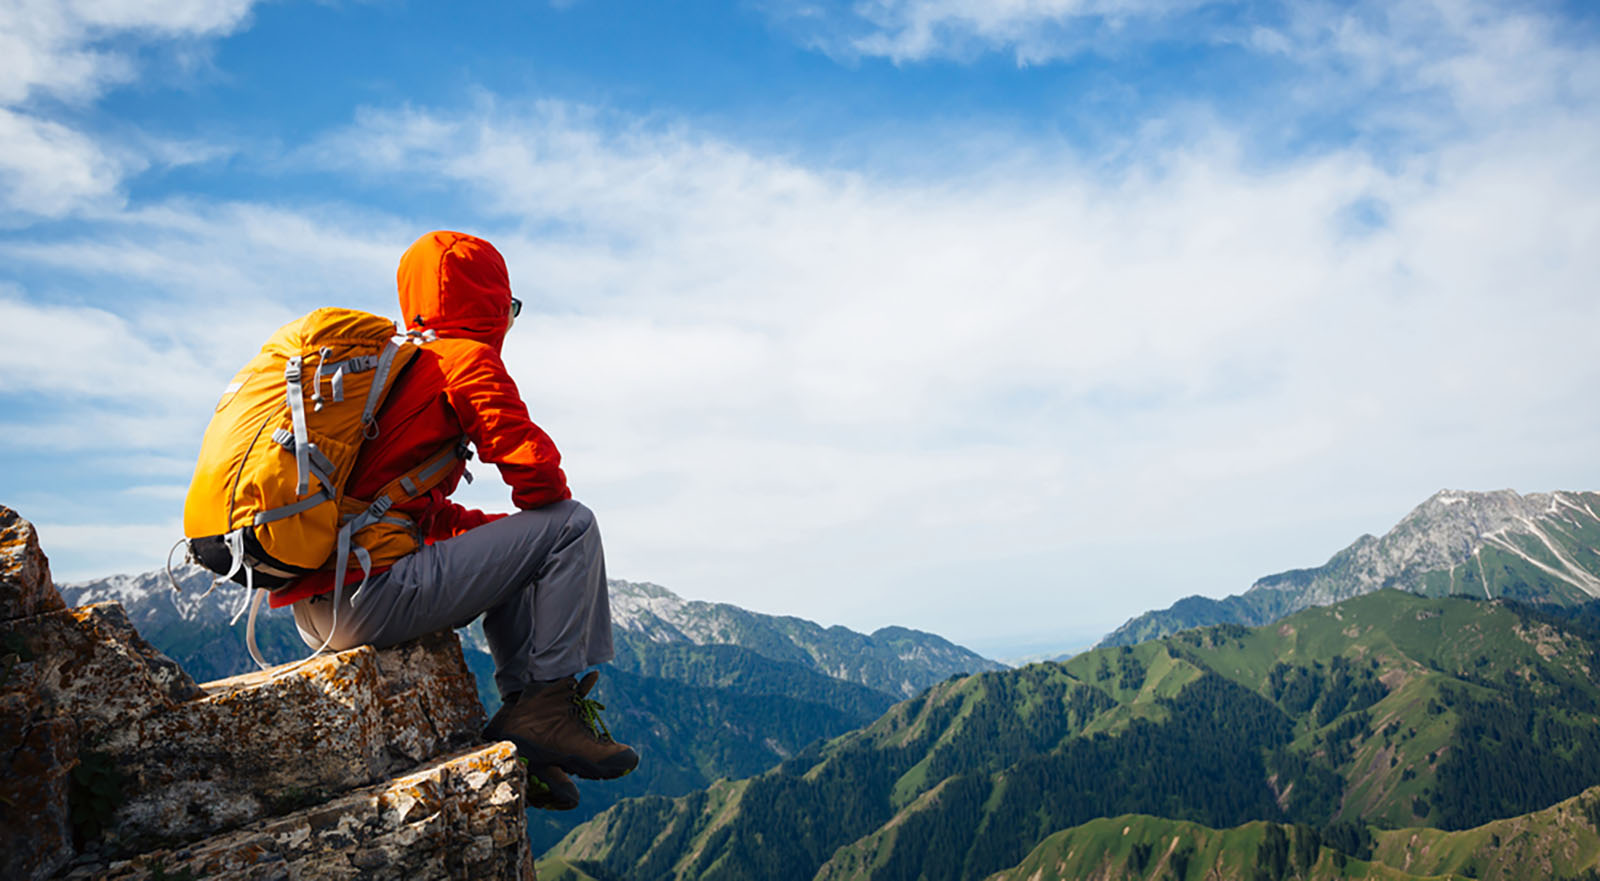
545	795
619	765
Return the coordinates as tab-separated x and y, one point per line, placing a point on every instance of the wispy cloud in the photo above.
1033	31
74	49
58	55
1413	71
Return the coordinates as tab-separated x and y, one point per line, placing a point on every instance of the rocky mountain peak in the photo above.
1539	547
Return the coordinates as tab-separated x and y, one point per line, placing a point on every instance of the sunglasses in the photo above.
516	307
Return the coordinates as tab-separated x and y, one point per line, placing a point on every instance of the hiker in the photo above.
537	576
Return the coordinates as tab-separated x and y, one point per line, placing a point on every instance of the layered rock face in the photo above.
360	764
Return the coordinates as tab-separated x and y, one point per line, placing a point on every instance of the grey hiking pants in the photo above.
538	578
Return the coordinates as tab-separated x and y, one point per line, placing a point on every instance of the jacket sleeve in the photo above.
448	520
492	413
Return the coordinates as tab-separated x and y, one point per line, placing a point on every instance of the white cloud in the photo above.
1421	70
1434	67
49	169
72	51
146	313
60	48
756	366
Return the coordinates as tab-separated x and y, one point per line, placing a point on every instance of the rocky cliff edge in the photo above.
115	764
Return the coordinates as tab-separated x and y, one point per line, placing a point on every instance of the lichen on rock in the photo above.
25	585
455	817
115	763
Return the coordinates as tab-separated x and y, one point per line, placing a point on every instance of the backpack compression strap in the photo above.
297	418
295	392
402	489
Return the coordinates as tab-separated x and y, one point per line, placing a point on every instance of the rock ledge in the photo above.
115	764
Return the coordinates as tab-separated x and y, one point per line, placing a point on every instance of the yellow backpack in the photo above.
267	504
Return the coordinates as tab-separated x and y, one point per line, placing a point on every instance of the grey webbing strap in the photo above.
322	467
437	465
250	629
297	416
342	567
293	508
357	364
430	470
341	563
371	515
385	363
365	559
320	463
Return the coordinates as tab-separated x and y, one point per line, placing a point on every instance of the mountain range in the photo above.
1540	547
893	660
1386	711
1425	686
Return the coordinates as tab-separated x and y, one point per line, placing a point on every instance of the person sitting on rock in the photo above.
537	577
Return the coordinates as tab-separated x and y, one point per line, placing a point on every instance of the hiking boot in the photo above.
559	725
549	787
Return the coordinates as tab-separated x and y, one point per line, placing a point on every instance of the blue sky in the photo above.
1007	320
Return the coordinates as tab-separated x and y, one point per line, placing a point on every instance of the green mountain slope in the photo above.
1136	847
700	713
1558	842
1537	548
1389	709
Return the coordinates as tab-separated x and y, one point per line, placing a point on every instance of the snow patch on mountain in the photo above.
896	660
1539	547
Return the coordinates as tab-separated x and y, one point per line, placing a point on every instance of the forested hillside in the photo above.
700	713
1559	842
1389	710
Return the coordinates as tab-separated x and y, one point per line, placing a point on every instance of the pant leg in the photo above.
538	577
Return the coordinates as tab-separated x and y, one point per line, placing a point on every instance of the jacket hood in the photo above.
456	286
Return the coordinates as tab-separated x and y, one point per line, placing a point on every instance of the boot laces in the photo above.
589	712
535	785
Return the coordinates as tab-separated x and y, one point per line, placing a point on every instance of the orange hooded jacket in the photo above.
455	285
